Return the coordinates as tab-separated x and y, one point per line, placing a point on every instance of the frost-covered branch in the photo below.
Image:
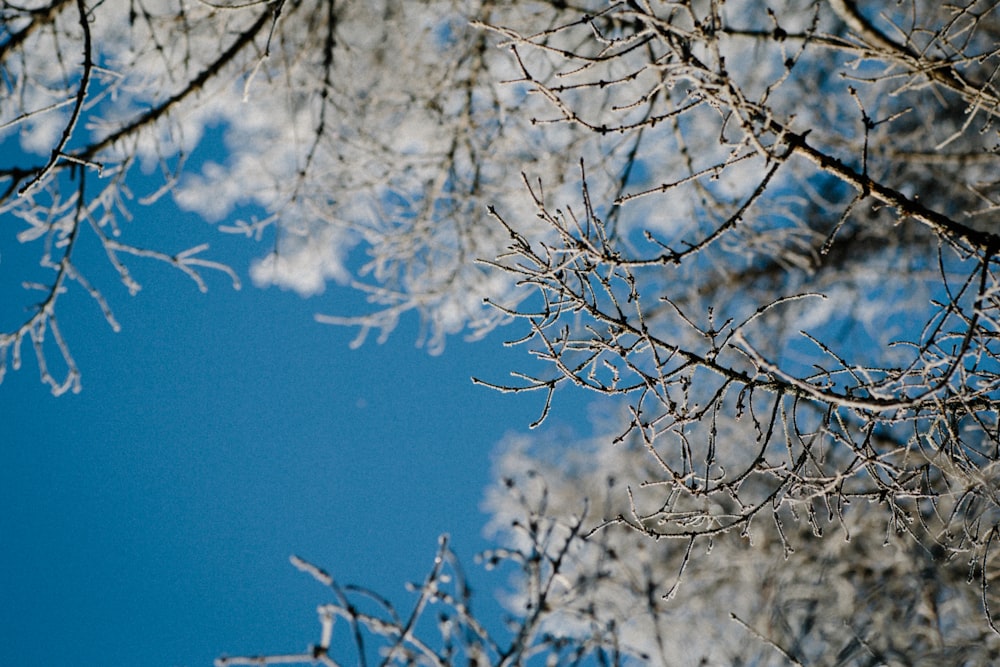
778	274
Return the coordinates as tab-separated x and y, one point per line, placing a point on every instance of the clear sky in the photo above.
149	519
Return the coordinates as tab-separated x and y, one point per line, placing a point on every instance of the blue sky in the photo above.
149	519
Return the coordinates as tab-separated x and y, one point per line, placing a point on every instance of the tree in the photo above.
807	589
755	302
803	329
794	298
349	127
845	590
760	231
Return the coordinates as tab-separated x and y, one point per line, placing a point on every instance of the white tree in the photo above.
374	128
799	311
834	586
761	230
814	585
794	299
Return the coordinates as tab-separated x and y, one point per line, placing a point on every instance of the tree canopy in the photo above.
758	231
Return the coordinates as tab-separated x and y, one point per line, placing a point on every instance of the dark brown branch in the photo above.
81	94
